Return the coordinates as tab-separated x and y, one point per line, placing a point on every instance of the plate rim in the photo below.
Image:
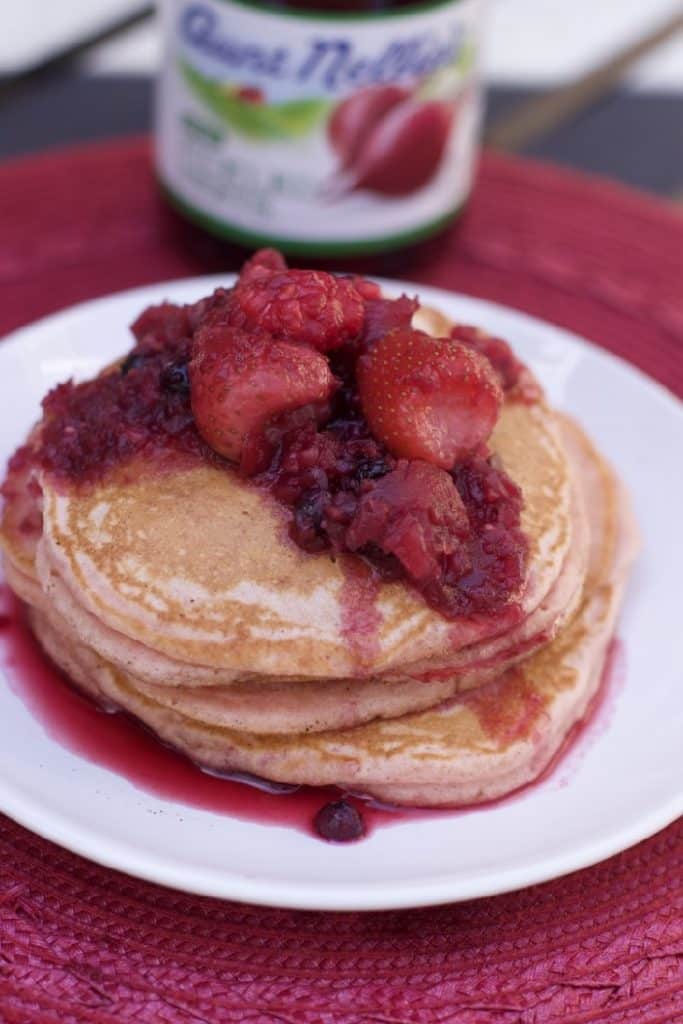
375	896
331	896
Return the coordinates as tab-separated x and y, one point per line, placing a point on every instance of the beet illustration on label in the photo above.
325	129
388	141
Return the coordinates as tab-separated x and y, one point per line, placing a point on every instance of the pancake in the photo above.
471	748
286	706
167	561
22	523
292	706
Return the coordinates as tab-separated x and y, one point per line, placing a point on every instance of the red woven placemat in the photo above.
79	943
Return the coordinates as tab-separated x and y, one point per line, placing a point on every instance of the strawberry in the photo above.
516	379
416	514
428	398
239	380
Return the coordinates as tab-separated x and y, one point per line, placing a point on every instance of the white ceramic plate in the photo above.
623	786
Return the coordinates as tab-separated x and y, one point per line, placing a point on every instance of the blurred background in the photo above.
592	84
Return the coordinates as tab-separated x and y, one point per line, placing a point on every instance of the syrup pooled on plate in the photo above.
117	742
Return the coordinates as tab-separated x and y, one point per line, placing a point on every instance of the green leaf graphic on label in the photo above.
254	118
447	81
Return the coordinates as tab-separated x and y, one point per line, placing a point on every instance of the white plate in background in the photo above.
37	30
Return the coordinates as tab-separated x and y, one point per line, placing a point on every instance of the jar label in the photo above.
317	131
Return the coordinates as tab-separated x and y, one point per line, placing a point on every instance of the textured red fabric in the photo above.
79	943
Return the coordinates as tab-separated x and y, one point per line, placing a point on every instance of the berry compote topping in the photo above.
142	408
372	433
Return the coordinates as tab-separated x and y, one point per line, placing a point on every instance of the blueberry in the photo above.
310	508
371	469
131	362
176	377
339	822
308	515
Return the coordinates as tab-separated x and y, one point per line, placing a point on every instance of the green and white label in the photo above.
319	130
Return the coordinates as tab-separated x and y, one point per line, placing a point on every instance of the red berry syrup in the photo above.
117	742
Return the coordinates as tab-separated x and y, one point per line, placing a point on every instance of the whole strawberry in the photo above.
241	379
428	398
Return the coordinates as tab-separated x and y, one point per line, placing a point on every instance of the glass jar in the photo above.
338	130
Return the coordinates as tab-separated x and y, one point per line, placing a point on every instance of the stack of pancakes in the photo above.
179	597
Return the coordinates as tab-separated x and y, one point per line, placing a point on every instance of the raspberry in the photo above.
262	264
366	289
306	306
